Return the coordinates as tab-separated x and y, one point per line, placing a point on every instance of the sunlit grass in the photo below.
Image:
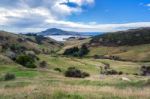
50	84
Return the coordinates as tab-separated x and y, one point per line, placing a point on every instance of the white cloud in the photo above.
148	5
82	2
83	27
37	15
32	13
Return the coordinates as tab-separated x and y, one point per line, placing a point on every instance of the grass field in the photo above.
47	83
131	53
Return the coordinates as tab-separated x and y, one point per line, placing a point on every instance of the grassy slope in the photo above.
72	43
48	83
133	45
133	53
48	44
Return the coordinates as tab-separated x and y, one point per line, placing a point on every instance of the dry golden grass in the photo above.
49	90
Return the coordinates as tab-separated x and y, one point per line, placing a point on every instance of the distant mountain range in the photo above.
55	31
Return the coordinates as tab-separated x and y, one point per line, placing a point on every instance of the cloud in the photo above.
93	27
82	2
37	15
27	12
148	5
83	27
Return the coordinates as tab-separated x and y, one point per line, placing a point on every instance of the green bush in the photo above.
120	72
74	72
85	74
9	76
58	69
83	50
72	51
26	61
111	72
75	51
30	65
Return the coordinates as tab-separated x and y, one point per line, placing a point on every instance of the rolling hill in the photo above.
131	45
130	38
50	82
29	42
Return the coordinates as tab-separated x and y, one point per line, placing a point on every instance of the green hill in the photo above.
120	38
35	43
131	45
49	81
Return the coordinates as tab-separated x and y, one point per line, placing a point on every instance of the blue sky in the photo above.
116	11
74	15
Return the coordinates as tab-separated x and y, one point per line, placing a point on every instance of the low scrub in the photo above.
145	70
43	64
26	61
108	71
74	72
58	69
9	76
77	52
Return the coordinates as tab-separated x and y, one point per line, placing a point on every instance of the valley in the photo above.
47	80
74	49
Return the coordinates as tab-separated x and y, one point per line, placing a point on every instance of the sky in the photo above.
73	15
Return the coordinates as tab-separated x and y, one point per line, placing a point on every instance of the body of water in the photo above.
60	37
64	37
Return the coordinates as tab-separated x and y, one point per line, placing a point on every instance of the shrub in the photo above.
17	48
108	71
83	50
26	61
135	74
111	72
75	51
30	65
145	70
72	51
85	74
120	72
9	76
31	54
74	72
58	69
43	64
